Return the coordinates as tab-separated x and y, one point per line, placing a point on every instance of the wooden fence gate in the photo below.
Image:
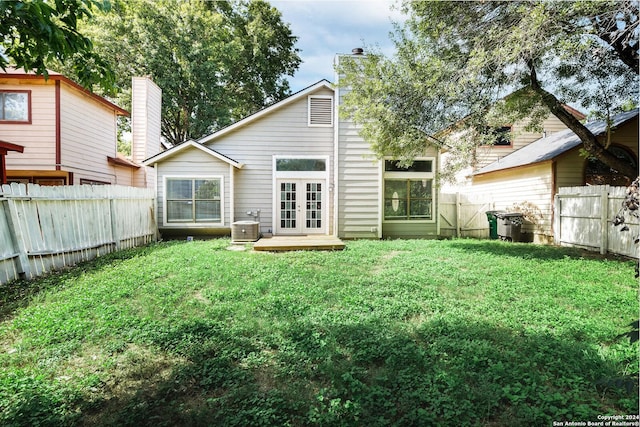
463	215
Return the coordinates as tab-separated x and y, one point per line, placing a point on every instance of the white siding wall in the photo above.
37	138
284	132
146	115
488	155
88	136
529	184
124	175
192	163
359	188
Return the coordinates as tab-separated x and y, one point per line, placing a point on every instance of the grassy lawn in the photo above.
455	333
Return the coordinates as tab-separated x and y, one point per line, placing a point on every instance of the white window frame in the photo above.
319	125
412	176
301	174
199	224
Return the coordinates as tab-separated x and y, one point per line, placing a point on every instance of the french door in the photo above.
302	207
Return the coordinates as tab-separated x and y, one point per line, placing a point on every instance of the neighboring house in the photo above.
528	178
297	169
68	135
509	139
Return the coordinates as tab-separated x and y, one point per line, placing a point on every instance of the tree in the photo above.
34	33
456	62
215	61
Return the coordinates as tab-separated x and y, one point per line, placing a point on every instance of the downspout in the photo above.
336	152
58	132
554	191
437	184
232	204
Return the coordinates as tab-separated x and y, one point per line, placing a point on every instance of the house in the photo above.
508	139
68	135
297	168
528	178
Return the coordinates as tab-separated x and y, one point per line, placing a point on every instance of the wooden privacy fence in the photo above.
45	228
463	215
584	216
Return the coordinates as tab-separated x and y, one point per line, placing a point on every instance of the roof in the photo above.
442	132
16	73
8	146
121	160
267	110
190	144
551	147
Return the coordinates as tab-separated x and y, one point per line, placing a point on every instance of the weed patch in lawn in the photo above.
461	332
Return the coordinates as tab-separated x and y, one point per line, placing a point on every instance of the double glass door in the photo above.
301	206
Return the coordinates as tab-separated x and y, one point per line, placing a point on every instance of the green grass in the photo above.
383	333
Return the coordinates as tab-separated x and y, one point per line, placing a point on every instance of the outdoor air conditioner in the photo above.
245	231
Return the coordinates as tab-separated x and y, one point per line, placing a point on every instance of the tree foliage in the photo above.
460	60
34	33
215	61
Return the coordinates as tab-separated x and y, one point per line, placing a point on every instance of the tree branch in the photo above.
589	140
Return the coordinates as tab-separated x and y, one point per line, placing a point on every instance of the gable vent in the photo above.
320	111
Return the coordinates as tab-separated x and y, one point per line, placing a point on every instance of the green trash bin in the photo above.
493	223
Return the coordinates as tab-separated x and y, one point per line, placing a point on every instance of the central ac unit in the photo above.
245	231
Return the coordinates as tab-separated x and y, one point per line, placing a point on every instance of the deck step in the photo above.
299	243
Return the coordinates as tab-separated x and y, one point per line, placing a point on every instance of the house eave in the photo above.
13	73
160	157
511	168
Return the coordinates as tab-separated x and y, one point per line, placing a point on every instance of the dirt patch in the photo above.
386	258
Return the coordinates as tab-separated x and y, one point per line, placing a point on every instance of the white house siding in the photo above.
88	135
192	163
37	138
146	116
124	175
359	185
284	132
488	155
524	185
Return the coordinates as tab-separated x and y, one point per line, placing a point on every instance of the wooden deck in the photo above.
299	243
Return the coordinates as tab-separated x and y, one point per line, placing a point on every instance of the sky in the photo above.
327	27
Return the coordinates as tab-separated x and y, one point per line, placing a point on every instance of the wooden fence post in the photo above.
458	214
115	236
15	231
604	214
557	219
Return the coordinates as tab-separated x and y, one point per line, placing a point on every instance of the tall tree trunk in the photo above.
589	140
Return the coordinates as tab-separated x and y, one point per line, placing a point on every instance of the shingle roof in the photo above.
552	146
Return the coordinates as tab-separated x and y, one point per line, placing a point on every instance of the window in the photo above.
320	111
408	191
15	106
417	166
299	165
84	181
406	199
597	173
194	200
502	136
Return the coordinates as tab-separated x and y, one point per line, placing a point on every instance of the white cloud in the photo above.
328	27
